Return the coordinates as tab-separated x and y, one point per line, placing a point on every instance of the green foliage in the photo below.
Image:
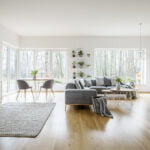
80	53
34	72
81	74
88	54
131	80
73	52
81	63
118	80
88	76
59	82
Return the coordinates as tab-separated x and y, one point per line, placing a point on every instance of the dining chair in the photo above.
23	85
47	85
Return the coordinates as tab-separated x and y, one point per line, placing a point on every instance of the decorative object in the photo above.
80	53
81	74
81	63
131	82
24	119
88	54
88	65
88	76
34	73
74	64
73	53
118	85
74	75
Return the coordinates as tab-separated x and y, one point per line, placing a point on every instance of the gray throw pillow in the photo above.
113	82
99	81
87	83
93	82
107	81
77	84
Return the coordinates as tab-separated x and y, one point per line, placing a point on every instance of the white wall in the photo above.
84	42
9	37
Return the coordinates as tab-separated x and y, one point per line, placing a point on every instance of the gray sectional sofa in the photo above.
80	92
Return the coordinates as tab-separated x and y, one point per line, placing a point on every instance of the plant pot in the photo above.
34	77
118	86
80	55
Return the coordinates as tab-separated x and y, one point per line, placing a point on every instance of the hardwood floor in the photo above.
80	129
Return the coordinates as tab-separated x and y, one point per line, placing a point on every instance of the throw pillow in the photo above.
99	81
81	85
93	82
77	84
113	82
107	81
87	83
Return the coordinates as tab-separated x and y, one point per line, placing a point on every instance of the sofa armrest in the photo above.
79	96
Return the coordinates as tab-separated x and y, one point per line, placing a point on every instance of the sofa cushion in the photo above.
70	86
98	87
113	81
93	82
99	81
107	81
87	83
81	85
77	84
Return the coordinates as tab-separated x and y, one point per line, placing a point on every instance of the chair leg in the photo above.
18	93
46	93
32	93
52	92
65	107
25	94
40	91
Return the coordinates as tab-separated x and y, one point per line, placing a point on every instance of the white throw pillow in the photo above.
99	81
113	82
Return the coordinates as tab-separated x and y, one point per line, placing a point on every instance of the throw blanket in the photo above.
100	107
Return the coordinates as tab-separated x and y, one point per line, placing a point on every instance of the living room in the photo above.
59	58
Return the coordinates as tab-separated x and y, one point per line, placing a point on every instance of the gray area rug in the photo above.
24	119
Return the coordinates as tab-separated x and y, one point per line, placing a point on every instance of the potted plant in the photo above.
81	74
118	85
34	73
88	76
73	53
88	65
88	54
80	53
81	63
131	82
74	75
74	64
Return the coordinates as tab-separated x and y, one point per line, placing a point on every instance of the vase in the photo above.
118	86
34	77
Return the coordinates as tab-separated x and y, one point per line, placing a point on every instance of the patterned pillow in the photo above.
81	85
77	84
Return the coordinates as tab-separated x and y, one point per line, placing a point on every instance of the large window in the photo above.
9	69
125	63
50	63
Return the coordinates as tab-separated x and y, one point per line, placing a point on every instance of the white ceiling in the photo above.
76	17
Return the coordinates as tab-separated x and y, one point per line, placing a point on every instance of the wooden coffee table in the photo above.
116	91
